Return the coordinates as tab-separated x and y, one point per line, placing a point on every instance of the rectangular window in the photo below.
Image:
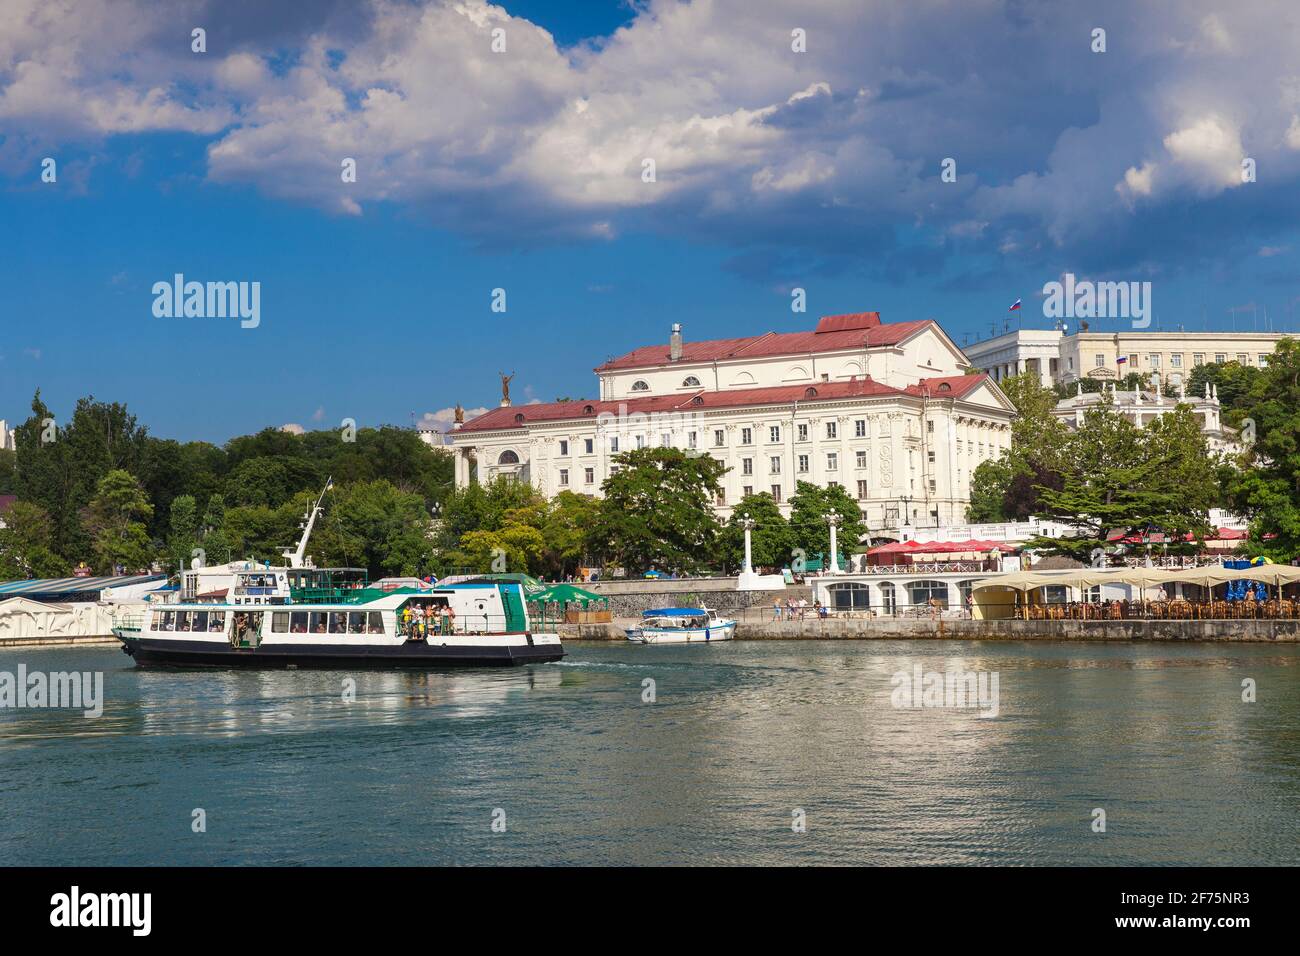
930	455
338	622
1154	359
929	425
1132	361
721	498
665	440
298	622
613	444
747	490
832	461
776	464
1176	360
216	621
1241	358
640	441
564	448
280	622
375	622
1100	360
862	459
589	475
564	476
803	463
776	493
1220	357
803	432
317	622
860	428
862	490
1198	358
830	429
691	440
746	466
590	445
356	622
774	433
931	486
1263	360
719	438
747	436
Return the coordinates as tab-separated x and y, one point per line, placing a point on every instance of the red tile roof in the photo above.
834	333
519	416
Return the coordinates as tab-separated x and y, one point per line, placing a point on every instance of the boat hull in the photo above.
686	635
149	652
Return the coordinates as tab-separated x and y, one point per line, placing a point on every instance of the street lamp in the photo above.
747	523
907	511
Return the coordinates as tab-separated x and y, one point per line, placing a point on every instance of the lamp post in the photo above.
906	501
833	520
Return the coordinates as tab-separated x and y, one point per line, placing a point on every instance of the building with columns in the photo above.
1143	405
1060	356
887	411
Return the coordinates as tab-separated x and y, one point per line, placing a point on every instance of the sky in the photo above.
523	169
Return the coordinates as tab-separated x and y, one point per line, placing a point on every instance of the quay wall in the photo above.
913	629
628	598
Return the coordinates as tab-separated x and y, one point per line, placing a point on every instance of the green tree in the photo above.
116	520
24	544
1233	383
184	531
377	526
566	532
216	545
809	507
1267	490
1115	476
771	540
658	510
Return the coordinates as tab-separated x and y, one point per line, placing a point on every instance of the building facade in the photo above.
1167	357
1142	406
6	436
887	411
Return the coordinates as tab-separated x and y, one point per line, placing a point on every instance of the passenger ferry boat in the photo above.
300	615
681	625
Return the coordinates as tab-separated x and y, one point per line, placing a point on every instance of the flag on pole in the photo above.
1121	360
1015	306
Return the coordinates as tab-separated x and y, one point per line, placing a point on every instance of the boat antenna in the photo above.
295	557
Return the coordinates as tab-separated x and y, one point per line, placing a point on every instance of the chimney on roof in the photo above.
675	343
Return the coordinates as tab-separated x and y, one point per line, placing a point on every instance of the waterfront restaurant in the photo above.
1177	593
913	577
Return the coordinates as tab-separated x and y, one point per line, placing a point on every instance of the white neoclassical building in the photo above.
1142	405
886	410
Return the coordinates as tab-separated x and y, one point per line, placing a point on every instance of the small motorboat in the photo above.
681	625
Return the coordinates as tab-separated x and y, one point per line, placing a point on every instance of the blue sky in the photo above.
522	171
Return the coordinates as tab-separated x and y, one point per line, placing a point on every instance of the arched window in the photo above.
850	596
508	458
744	378
640	385
690	382
923	592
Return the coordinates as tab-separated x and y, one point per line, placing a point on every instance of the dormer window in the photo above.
810	393
945	387
640	386
689	382
519	419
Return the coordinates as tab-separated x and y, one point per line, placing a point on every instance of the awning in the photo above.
1207	576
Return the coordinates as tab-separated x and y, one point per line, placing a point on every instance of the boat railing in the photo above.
128	621
462	624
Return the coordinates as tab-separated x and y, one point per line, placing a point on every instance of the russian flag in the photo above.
1121	360
1015	306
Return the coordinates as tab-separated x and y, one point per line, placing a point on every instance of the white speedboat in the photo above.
681	625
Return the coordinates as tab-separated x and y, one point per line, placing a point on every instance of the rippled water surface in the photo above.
740	736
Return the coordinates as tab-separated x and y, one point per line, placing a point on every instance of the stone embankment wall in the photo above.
630	598
910	629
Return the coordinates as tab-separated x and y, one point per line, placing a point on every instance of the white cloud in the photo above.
442	419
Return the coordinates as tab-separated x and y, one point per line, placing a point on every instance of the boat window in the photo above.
200	620
357	622
182	620
318	622
298	623
339	622
217	621
376	622
280	622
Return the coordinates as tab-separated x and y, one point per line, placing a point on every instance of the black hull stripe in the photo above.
324	655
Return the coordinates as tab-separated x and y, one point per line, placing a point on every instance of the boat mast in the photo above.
295	557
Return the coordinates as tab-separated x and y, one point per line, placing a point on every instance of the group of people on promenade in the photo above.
796	610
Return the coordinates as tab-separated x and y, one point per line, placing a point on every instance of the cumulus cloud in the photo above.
442	419
829	156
